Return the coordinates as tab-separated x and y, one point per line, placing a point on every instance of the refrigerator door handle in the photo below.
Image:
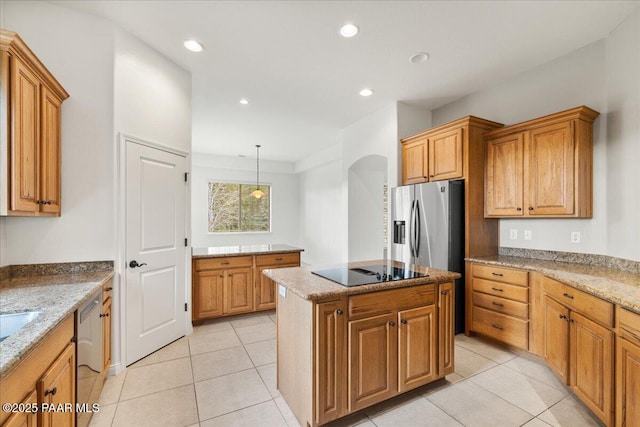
417	230
412	228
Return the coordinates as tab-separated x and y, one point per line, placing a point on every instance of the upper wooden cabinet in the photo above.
542	167
31	103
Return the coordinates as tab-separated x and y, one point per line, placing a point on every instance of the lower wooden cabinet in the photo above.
106	336
207	294
24	419
417	347
58	387
628	369
556	338
237	294
446	328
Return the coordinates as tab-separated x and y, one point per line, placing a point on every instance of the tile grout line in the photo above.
195	392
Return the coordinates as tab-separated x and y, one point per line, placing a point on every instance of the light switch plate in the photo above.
282	291
513	234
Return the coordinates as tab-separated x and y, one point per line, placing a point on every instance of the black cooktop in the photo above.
368	274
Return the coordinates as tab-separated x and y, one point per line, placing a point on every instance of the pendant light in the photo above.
258	193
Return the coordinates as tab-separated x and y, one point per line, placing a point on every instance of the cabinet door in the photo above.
556	338
51	118
504	176
446	330
417	344
627	384
58	387
25	102
207	298
592	365
265	291
414	162
550	170
24	419
331	362
373	360
106	335
238	291
445	155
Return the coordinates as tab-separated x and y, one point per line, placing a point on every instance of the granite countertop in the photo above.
55	296
611	284
309	286
222	251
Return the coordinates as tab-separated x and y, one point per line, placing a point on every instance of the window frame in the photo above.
239	182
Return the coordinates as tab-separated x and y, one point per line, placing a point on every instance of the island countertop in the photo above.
302	282
55	296
223	251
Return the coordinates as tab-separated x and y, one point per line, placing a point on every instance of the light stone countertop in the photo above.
223	251
55	296
302	282
613	285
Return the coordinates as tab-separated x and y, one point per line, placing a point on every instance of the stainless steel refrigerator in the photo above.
428	229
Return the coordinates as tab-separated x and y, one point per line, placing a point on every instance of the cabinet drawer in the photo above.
499	289
501	274
384	302
501	305
504	328
278	259
587	305
221	263
629	325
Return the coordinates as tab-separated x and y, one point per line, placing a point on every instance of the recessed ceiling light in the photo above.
193	45
244	101
348	30
419	58
366	92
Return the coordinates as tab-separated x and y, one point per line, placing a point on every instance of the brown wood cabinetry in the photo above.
628	369
106	336
24	419
51	365
30	140
415	162
542	167
417	347
235	284
446	328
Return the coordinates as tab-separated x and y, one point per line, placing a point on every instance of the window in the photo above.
232	208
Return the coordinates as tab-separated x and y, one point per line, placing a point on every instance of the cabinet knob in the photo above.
444	292
109	289
392	323
221	275
339	312
518	209
530	208
104	315
403	321
52	392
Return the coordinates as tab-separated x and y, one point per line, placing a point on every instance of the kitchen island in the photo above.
342	349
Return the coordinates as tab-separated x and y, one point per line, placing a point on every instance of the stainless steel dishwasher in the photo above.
89	363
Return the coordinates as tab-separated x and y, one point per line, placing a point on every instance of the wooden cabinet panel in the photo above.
446	328
501	305
550	168
238	291
592	365
25	103
504	176
588	305
414	162
278	260
50	153
208	294
501	274
507	329
373	360
222	263
627	384
445	155
58	386
417	344
556	338
331	347
106	336
504	290
24	419
385	302
265	298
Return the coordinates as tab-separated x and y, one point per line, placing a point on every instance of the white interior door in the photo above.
155	290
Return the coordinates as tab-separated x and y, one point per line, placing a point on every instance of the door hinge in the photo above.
186	242
186	177
185	306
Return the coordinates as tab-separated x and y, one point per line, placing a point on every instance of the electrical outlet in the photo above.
513	234
527	234
575	237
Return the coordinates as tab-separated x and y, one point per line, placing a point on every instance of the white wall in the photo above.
4	252
78	50
285	216
622	56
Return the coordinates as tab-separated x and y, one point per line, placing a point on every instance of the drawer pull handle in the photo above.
279	259
495	325
568	295
339	312
497	303
225	263
496	289
109	289
52	392
498	274
392	323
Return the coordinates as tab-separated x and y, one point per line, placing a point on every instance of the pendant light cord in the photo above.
257	167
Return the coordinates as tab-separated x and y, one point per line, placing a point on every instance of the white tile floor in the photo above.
224	375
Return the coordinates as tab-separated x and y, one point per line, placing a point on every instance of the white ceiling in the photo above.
302	78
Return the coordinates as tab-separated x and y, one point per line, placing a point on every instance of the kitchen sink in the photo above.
11	322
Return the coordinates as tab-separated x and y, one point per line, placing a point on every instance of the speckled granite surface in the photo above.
21	270
307	285
55	296
222	251
611	284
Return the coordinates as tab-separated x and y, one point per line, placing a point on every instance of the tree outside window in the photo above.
233	209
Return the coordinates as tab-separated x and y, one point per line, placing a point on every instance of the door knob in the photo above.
134	264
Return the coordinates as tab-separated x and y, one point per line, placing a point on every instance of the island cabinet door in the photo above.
207	296
417	347
238	291
556	338
58	387
24	419
446	328
331	361
373	360
627	383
